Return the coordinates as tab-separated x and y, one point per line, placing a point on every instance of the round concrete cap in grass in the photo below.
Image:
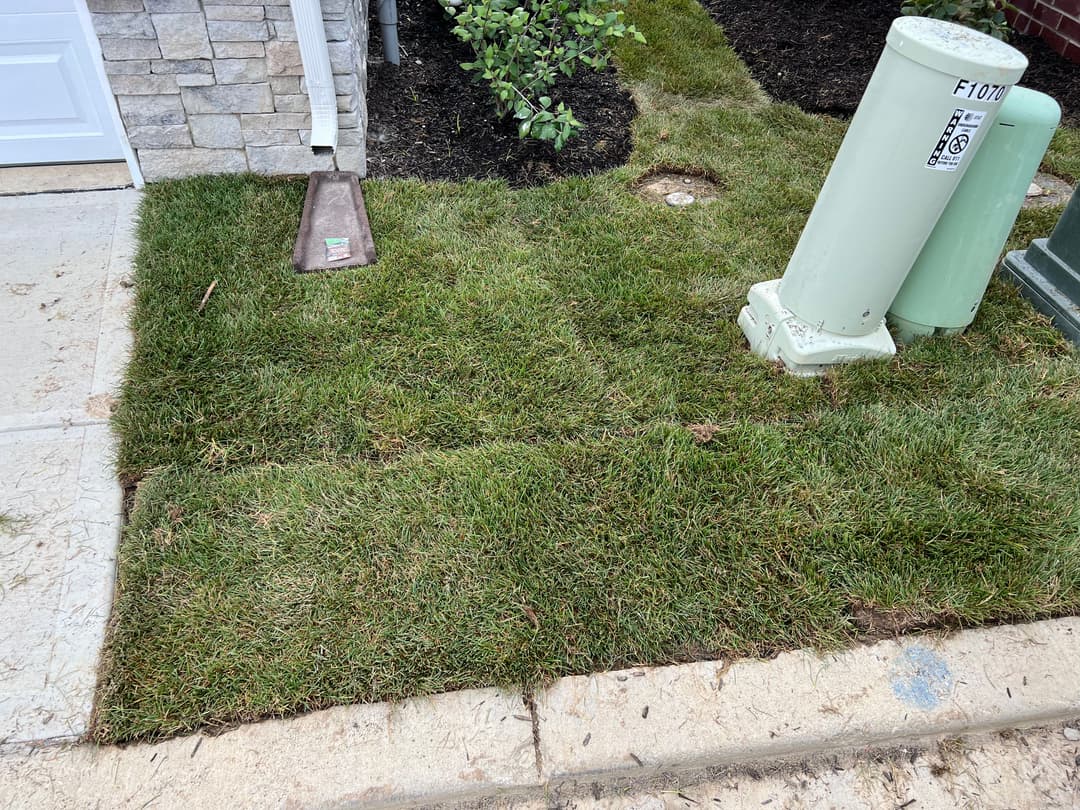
957	50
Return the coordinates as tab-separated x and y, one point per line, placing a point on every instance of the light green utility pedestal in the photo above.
932	98
946	284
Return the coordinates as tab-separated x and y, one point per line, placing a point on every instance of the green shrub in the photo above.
987	16
523	46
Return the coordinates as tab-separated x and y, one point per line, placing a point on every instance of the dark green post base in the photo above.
1044	295
1048	272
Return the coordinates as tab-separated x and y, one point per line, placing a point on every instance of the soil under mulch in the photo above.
429	119
819	54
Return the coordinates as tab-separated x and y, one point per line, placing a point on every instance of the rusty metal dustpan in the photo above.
334	230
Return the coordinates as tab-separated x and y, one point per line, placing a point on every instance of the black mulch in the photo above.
819	54
429	119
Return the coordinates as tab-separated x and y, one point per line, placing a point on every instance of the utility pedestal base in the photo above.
1049	283
909	331
777	333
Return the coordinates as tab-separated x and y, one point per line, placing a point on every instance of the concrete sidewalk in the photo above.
64	263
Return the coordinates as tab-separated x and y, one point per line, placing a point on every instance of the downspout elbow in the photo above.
311	34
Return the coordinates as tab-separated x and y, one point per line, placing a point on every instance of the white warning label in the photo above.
955	140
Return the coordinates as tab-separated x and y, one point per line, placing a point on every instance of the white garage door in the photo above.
53	107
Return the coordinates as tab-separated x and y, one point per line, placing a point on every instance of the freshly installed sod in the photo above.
530	440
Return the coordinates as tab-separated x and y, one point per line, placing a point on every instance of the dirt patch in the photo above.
1047	190
659	186
100	406
819	55
428	119
130	487
874	623
703	433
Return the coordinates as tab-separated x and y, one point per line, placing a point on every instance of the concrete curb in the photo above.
616	725
425	750
623	724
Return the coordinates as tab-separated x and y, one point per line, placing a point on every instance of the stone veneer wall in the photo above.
208	86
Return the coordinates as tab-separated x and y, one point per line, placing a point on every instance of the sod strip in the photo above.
492	315
274	590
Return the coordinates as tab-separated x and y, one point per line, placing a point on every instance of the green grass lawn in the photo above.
530	441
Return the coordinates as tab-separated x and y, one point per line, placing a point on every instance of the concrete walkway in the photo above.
64	262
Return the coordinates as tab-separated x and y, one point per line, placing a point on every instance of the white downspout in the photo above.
307	15
86	23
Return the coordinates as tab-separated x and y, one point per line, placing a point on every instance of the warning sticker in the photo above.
955	140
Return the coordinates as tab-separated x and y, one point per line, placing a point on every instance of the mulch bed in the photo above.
819	54
429	119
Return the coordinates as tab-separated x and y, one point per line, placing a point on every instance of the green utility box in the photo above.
946	284
1048	272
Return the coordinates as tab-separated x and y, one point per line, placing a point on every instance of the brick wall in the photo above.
1056	21
207	86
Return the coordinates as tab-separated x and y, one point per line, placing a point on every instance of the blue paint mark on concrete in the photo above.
921	678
